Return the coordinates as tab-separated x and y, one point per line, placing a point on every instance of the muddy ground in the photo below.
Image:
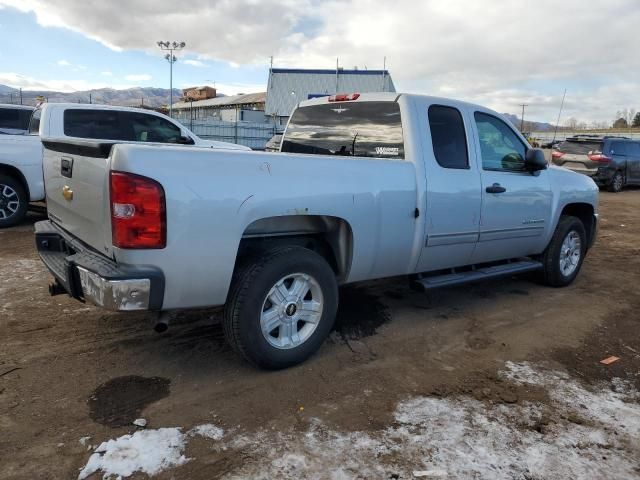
69	370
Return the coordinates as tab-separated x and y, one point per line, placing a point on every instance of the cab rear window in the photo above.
367	129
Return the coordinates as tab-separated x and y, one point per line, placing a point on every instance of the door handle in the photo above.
496	188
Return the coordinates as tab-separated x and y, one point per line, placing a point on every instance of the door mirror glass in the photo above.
535	160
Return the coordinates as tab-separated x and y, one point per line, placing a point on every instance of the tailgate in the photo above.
76	175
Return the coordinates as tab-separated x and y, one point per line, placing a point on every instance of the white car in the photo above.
21	179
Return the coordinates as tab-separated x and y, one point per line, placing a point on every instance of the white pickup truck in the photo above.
21	155
365	186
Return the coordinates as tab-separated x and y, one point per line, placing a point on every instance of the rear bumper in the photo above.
89	276
601	175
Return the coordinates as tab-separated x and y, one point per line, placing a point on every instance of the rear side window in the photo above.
619	148
579	147
448	137
15	118
115	125
367	129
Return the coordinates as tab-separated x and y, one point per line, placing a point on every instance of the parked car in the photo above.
273	145
612	162
14	119
365	186
21	178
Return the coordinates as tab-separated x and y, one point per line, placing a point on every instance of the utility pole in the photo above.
20	95
90	98
523	105
384	68
171	58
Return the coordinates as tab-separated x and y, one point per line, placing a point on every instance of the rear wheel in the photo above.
13	201
281	307
563	257
617	182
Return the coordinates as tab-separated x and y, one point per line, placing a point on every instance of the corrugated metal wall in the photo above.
253	135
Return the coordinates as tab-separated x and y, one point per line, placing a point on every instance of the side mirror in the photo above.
184	140
535	160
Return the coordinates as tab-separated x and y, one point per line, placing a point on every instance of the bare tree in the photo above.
571	122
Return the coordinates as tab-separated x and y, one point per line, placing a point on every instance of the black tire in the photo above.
552	273
12	191
250	287
617	182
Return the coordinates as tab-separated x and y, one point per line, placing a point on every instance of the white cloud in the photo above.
491	51
195	63
63	63
106	73
30	83
138	78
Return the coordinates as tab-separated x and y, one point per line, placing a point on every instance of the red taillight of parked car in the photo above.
598	157
138	212
556	154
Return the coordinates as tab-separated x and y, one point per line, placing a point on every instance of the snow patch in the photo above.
584	434
146	451
207	430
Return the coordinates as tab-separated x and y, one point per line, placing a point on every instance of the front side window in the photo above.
500	147
367	129
151	128
633	149
448	137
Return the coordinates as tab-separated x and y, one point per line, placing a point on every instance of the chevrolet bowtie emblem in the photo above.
67	193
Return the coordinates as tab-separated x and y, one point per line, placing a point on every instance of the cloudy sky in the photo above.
496	52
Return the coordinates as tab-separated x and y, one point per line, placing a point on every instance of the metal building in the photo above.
236	108
287	87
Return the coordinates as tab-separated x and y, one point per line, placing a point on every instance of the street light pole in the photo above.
171	58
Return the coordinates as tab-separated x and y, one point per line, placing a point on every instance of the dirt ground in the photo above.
70	371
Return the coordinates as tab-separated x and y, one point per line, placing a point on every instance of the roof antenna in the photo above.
558	121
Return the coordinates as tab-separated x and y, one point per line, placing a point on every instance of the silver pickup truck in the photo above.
365	186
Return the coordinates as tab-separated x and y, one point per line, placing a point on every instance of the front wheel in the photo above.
13	201
617	182
281	307
563	257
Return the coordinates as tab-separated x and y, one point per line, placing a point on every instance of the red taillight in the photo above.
555	154
138	216
344	97
598	157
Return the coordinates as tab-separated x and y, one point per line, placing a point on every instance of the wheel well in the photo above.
584	212
17	174
331	237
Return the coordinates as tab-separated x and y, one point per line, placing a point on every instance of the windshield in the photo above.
367	129
15	118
